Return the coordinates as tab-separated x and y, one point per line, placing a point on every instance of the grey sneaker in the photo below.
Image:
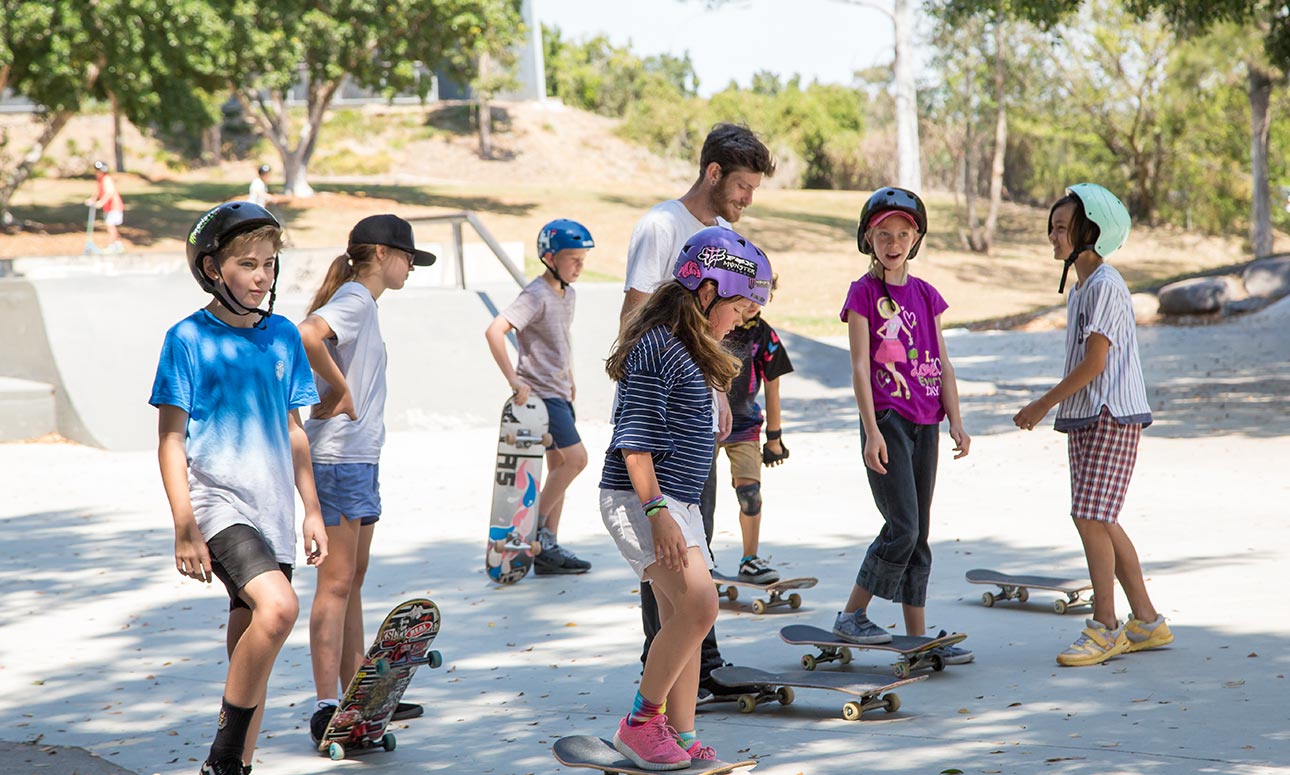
755	570
954	655
547	539
856	628
555	559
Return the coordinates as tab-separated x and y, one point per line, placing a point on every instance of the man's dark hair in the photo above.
735	147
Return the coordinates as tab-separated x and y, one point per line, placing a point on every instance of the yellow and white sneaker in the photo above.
1147	635
1095	645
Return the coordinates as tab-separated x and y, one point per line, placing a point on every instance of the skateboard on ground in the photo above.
776	590
597	753
915	653
874	691
401	646
517	477
1018	588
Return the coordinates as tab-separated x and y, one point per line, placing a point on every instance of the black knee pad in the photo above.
749	497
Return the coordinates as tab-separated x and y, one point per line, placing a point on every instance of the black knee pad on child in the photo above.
749	496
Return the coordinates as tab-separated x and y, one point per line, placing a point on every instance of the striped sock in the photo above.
687	739
643	710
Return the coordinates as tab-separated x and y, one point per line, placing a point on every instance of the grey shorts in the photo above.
627	524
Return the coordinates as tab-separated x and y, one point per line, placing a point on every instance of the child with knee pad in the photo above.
764	361
229	385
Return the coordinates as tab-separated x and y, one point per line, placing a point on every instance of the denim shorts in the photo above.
561	427
348	490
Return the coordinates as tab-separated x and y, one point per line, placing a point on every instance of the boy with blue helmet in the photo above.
541	317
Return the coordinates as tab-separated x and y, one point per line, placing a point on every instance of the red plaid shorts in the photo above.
1102	456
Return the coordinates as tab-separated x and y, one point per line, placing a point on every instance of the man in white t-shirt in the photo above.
259	190
731	167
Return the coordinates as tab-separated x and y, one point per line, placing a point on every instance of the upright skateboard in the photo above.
400	647
915	653
775	589
873	691
1018	588
517	476
597	753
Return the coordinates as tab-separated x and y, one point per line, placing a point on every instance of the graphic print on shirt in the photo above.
891	352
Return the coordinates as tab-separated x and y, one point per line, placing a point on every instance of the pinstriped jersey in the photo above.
1101	305
664	408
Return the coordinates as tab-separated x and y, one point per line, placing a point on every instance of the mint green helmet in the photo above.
1108	212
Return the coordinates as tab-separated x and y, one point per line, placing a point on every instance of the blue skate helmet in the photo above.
561	234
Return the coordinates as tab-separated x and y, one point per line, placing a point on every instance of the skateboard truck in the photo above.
906	664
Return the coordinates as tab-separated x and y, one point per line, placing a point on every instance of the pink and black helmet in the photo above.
717	253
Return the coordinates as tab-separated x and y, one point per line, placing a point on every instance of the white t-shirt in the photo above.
359	351
657	241
259	193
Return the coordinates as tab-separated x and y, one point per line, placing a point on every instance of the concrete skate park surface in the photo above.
107	648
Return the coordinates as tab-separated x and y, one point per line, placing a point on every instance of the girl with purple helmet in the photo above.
666	362
904	387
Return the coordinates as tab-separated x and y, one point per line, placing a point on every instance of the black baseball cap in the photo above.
391	231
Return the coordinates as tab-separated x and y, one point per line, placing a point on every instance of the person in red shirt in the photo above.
108	199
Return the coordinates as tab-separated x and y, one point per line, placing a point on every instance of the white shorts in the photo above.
113	217
627	524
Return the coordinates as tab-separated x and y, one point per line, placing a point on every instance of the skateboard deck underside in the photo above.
1018	588
775	590
760	687
597	753
517	478
914	653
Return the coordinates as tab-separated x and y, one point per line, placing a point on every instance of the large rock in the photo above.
1199	295
1268	277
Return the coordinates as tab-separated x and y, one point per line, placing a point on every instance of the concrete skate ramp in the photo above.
96	339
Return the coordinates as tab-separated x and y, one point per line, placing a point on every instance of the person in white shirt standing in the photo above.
732	164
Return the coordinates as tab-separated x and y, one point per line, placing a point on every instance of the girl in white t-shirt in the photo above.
346	429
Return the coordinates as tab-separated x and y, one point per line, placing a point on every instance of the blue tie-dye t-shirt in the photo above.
238	386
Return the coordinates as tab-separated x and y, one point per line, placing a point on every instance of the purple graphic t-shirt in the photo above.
904	351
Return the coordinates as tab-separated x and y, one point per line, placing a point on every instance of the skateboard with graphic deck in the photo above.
914	653
1018	588
873	690
401	646
597	753
517	476
775	589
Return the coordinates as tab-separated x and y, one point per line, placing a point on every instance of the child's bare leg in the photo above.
860	598
563	466
1099	552
687	604
749	524
275	609
354	647
915	619
327	616
1129	571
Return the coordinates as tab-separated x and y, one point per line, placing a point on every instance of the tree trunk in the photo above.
485	111
969	162
1000	137
1260	90
909	172
33	156
118	147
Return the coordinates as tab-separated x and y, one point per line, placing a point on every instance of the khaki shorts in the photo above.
745	459
627	524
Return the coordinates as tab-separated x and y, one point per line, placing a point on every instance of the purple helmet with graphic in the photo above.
717	253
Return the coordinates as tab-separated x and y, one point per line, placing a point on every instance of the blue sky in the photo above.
825	40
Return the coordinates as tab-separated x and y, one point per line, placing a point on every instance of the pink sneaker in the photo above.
652	745
700	752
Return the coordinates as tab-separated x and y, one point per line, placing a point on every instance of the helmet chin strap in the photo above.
239	309
1066	265
555	272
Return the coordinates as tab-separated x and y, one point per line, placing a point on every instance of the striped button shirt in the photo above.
1100	304
664	408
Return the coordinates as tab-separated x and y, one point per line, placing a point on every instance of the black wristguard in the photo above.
772	458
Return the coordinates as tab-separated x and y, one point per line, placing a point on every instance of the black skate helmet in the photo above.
900	200
211	232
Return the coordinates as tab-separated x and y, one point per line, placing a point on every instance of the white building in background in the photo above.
531	69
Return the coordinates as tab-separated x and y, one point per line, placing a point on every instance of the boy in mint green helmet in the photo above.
1102	407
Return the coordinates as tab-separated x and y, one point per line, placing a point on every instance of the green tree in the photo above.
152	59
386	45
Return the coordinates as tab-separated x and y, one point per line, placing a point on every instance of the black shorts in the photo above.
238	554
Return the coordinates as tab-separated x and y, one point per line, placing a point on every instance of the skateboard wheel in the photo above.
987	600
938	662
382	667
852	711
509	439
336	751
784	695
1023	594
808	662
902	670
794	601
388	742
891	703
844	656
746	703
732	594
1059	606
759	607
436	659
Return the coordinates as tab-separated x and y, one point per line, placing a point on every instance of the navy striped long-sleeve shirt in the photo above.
664	408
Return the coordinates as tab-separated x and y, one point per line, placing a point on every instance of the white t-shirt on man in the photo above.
657	241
